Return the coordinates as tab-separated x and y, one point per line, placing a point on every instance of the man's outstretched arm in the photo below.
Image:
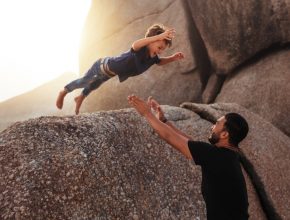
179	142
161	117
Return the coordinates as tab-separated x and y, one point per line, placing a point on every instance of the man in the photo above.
223	184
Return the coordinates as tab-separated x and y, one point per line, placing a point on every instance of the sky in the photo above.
39	41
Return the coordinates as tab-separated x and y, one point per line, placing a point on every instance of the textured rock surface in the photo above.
213	87
121	25
233	31
110	165
106	164
266	147
263	88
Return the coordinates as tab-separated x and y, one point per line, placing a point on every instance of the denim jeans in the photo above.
91	80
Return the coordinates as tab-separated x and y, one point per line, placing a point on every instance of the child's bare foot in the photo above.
60	98
79	100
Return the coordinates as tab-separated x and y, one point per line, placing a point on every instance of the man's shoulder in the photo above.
201	151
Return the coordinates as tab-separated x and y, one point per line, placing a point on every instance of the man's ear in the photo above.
224	134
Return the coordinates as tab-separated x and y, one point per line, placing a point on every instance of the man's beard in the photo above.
213	138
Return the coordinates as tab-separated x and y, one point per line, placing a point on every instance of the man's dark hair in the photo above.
237	127
157	29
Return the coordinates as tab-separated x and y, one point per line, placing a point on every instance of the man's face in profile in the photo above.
216	131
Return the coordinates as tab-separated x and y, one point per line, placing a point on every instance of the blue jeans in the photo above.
91	80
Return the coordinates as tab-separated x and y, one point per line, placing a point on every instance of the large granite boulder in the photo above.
233	31
112	31
103	165
263	88
267	157
107	165
112	165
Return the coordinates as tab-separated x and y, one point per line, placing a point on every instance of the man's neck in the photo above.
227	145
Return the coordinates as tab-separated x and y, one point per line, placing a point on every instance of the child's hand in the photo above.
168	34
178	56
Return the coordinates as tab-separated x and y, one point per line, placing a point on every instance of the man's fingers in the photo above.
133	104
132	99
154	101
154	104
136	100
170	29
149	100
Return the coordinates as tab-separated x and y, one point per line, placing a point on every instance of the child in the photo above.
142	55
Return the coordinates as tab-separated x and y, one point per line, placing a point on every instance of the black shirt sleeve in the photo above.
200	151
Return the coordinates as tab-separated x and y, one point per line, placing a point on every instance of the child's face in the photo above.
157	48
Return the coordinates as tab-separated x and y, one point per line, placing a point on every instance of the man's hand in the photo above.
178	56
141	106
156	108
171	135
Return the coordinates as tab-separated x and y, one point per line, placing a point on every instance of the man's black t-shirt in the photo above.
223	184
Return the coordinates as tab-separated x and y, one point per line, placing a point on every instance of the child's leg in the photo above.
83	82
60	98
100	79
79	100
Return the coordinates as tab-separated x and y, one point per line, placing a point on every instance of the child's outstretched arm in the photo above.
169	59
168	35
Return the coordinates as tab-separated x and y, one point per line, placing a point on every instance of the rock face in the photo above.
267	149
263	88
106	165
120	26
38	102
112	165
222	40
233	31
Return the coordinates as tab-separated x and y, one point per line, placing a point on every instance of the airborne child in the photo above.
142	55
